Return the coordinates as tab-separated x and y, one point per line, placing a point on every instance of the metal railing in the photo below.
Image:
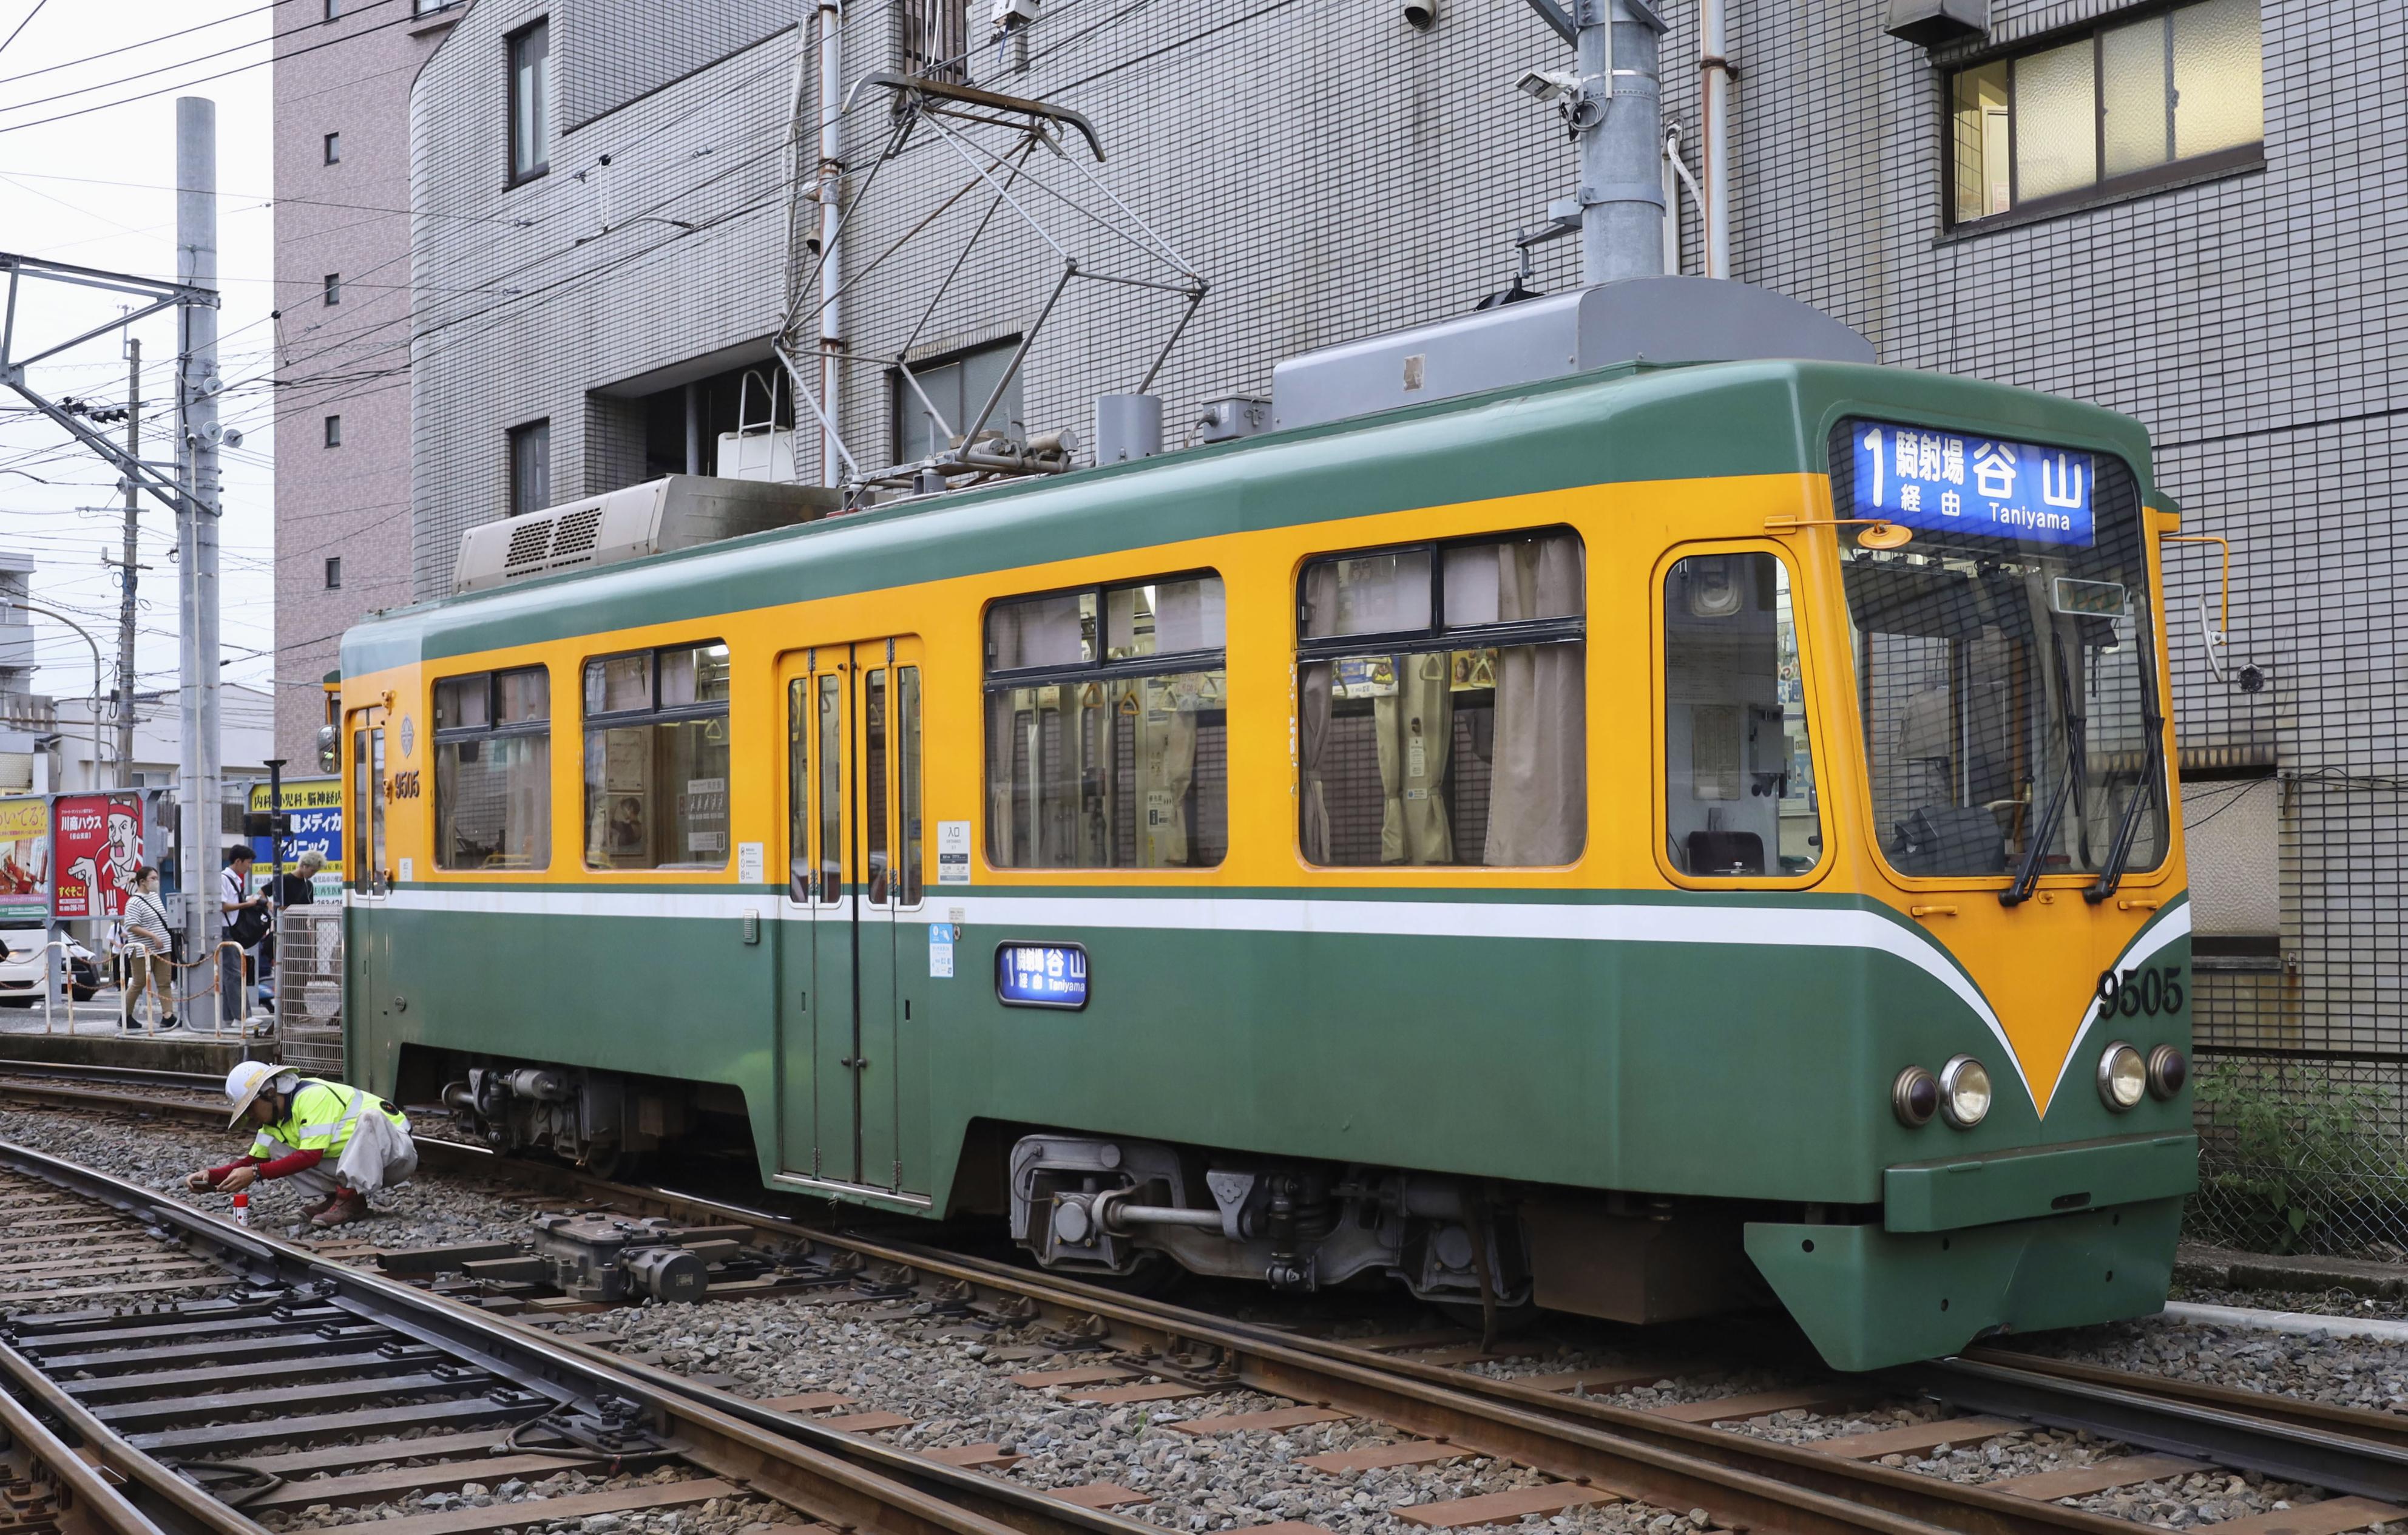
310	989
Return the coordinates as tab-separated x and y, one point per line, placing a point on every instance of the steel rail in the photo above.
839	1479
104	1503
190	1508
2249	1440
2314	1443
2356	1422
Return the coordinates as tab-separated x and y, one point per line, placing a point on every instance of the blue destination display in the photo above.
1041	975
1953	483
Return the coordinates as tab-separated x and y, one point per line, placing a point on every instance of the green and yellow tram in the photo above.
1630	844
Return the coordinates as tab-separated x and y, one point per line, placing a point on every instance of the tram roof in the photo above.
1622	425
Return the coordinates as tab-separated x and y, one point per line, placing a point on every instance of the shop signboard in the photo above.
97	843
315	806
24	863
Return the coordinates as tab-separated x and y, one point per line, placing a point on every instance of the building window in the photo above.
493	771
1108	734
656	758
334	149
334	288
530	49
1442	699
531	466
333	8
334	431
948	396
1738	796
334	572
932	38
2124	108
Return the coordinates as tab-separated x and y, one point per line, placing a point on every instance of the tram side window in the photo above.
1107	732
1442	689
493	771
1738	772
656	758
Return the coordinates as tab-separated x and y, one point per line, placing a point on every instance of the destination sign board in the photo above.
1963	483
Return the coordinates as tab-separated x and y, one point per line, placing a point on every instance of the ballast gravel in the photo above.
952	1380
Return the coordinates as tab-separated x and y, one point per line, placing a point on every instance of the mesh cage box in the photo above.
310	989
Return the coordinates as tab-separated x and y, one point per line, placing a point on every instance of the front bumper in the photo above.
1954	1192
1869	1298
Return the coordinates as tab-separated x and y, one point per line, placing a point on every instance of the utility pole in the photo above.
200	795
1619	124
126	577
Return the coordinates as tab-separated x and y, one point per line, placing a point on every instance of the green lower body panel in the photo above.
1869	1297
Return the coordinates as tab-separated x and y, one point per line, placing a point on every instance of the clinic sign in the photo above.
315	807
98	845
1957	483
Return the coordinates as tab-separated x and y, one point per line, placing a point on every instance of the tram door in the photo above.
366	861
851	1061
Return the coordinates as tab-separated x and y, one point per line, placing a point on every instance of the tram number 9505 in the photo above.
2132	993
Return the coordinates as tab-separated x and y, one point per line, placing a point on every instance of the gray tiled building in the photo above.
342	85
2080	201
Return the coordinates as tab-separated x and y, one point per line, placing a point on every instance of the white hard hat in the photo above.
245	1081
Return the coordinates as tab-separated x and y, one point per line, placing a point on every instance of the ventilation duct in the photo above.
678	512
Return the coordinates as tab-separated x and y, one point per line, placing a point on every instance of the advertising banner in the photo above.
24	863
98	846
315	806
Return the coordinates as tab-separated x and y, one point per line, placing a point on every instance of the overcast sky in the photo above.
87	176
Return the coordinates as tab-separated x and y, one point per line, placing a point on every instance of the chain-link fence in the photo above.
309	989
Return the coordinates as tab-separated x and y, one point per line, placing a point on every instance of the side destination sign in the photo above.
1953	483
1041	975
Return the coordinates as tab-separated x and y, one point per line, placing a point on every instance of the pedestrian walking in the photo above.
145	951
332	1138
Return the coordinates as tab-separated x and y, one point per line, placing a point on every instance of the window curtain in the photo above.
1166	770
1537	811
1313	711
1002	789
1416	733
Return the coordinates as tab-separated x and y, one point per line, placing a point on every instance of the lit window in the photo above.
530	93
1441	697
948	396
334	572
334	288
334	149
1108	727
334	431
493	770
2121	107
656	758
531	466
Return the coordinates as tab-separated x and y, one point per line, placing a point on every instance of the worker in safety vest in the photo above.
333	1139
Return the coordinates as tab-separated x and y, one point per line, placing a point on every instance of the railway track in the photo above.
1590	1449
238	1378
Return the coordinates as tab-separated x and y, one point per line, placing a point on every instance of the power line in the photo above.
128	47
23	24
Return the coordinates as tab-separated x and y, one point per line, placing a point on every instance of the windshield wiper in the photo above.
2111	873
2070	786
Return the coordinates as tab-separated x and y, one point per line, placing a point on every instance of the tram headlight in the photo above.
2123	1076
1914	1096
1965	1091
2169	1072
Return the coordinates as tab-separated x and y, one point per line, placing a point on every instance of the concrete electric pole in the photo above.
1619	120
126	577
200	795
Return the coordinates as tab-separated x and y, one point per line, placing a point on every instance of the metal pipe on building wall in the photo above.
1620	117
1714	76
831	190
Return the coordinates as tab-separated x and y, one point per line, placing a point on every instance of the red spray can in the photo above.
242	1209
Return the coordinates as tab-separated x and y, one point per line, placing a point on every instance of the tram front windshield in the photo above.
2005	679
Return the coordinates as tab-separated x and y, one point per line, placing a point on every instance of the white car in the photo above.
27	969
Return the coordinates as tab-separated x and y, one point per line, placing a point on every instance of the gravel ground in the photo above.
952	1379
2321	1302
718	1516
431	1209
